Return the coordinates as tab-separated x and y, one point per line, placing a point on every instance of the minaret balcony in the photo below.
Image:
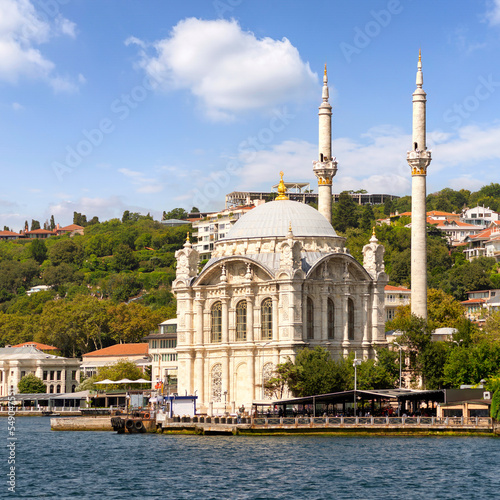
418	161
326	169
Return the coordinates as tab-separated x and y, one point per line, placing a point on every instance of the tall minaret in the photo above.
419	159
326	166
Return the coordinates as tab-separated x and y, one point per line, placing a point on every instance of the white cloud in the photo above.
21	30
145	185
17	107
229	70
377	161
493	13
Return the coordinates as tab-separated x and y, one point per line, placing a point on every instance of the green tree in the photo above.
31	384
34	225
52	225
38	250
367	218
79	219
67	251
176	213
344	213
119	370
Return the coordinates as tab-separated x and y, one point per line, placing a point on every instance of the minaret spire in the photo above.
419	159
326	166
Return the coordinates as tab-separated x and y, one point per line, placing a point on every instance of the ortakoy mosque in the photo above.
281	280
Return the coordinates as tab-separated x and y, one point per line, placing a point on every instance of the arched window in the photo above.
217	383
51	390
73	387
330	319
310	318
58	389
350	319
241	320
267	319
216	325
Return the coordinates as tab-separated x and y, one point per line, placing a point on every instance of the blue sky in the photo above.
146	106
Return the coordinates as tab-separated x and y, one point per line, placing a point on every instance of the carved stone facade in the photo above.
261	299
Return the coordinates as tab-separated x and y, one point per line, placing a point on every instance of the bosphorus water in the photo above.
98	465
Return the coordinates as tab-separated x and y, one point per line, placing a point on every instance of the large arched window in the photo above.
217	383
350	319
330	319
267	319
241	320
216	322
310	318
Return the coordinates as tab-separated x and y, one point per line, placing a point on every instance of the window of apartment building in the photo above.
51	374
58	374
58	389
45	375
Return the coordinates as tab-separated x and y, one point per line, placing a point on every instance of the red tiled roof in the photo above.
122	350
40	231
71	227
473	301
8	233
38	345
391	288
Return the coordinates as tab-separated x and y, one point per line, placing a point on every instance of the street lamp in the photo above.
355	363
400	358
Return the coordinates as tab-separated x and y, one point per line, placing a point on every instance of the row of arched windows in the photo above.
266	311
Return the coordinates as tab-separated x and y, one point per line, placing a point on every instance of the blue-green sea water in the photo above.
99	465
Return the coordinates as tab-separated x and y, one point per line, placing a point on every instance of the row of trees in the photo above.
79	325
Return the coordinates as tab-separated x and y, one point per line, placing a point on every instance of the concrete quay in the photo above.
336	425
97	423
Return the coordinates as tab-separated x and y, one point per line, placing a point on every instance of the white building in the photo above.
58	374
395	296
215	227
480	216
280	280
162	349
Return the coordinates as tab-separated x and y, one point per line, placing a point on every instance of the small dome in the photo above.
274	218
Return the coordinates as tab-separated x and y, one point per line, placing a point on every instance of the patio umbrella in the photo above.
106	381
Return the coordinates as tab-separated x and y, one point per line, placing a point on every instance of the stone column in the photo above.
225	375
224	321
199	379
199	322
275	318
324	315
250	335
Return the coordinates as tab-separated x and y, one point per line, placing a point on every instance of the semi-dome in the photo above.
273	219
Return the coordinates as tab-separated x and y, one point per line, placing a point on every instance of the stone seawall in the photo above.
81	424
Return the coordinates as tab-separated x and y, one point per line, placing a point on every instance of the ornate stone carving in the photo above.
187	261
373	257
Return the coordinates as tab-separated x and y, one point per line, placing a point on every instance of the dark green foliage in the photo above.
34	225
30	384
345	213
495	405
176	213
38	250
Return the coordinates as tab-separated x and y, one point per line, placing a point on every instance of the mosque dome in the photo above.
273	219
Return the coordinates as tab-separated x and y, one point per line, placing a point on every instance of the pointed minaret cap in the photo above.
420	76
325	94
188	242
373	239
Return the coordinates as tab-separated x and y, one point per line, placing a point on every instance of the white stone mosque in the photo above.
281	280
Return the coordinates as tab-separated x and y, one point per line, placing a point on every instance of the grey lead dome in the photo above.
273	220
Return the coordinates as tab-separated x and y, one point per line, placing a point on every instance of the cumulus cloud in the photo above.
493	13
22	29
377	161
229	70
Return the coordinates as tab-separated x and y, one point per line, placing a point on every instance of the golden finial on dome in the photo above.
187	238
325	70
373	232
282	189
419	55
